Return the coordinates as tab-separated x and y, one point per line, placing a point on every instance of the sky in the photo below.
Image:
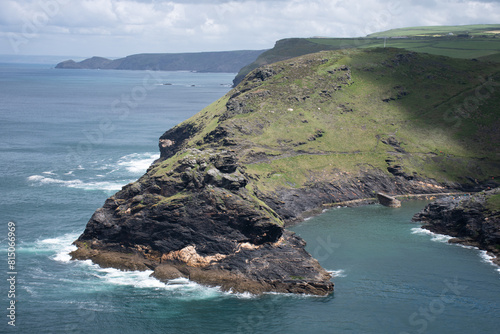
116	28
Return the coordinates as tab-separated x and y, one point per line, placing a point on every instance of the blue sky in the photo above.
116	28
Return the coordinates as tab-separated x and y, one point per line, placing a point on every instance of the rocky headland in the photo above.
291	138
472	220
223	61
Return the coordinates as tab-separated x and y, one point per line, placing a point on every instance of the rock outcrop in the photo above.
293	137
473	220
197	219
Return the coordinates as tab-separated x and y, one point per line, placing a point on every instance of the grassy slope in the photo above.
485	44
482	40
306	131
431	31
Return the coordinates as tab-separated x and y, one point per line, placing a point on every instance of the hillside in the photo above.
475	30
292	137
467	42
228	61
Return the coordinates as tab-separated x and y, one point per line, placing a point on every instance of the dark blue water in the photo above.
71	138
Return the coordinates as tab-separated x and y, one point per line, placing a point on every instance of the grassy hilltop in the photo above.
335	116
467	42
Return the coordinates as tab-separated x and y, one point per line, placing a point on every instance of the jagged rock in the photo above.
216	234
472	220
214	206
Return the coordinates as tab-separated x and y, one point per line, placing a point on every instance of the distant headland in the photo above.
224	61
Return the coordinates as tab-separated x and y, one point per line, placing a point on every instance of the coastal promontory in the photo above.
222	61
293	138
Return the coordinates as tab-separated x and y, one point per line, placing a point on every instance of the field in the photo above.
480	42
467	42
440	31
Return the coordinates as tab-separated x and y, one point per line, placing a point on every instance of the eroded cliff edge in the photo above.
293	136
195	217
472	220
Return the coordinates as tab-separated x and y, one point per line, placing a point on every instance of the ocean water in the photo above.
71	138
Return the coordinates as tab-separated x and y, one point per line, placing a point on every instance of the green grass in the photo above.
305	135
477	29
480	41
493	202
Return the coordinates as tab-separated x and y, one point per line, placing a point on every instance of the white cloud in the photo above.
122	27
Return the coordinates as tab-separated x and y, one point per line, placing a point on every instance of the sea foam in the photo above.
137	162
434	236
485	257
39	180
117	174
337	273
61	246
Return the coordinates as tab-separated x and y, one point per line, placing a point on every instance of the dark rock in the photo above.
469	219
204	225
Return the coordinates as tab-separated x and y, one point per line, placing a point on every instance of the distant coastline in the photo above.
224	61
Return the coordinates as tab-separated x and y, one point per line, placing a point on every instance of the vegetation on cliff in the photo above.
293	136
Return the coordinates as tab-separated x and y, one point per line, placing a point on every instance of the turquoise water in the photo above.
71	138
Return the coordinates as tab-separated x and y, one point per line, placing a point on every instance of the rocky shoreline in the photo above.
472	220
290	139
216	232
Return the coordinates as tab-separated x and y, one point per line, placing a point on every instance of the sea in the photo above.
71	138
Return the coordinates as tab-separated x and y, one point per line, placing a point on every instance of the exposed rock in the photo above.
292	138
218	233
472	220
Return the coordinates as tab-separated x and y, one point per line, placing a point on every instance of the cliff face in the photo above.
292	137
194	217
471	220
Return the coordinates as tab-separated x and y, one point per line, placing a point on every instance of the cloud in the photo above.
122	27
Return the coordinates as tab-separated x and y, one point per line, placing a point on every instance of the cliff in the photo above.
292	137
226	61
471	220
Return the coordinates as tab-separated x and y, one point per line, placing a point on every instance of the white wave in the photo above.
102	185
137	162
62	246
485	257
434	236
138	279
337	273
243	295
49	173
39	180
180	287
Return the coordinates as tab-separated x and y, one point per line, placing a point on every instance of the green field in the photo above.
466	42
471	41
439	31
